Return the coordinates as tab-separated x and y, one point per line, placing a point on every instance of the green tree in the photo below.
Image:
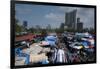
44	32
31	30
18	28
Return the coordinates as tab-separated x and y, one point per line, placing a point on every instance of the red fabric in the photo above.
24	37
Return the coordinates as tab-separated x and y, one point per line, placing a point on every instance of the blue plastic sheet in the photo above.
51	40
45	62
21	54
85	43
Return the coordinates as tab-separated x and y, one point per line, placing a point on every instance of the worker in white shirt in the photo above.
60	55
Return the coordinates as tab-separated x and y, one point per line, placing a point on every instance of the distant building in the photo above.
62	26
70	19
78	20
25	24
79	25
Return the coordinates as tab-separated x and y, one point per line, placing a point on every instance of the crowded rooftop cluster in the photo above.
54	48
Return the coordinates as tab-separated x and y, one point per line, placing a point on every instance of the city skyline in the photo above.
54	15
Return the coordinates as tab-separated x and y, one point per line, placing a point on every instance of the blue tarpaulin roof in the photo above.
85	43
51	40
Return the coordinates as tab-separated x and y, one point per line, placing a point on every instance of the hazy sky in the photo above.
53	15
